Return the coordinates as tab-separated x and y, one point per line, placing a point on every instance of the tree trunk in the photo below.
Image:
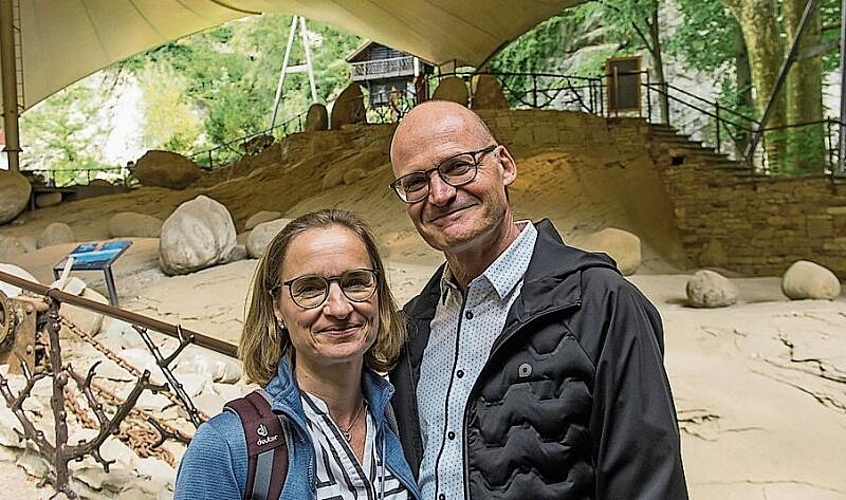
657	56
806	149
745	103
757	19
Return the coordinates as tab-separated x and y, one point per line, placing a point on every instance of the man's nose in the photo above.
440	193
337	304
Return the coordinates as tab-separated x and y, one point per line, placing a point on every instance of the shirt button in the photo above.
468	315
441	497
459	373
451	435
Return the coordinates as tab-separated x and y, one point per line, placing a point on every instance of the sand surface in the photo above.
760	387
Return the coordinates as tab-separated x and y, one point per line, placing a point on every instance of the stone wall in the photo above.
723	218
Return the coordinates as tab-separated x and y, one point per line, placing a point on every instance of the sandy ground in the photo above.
760	387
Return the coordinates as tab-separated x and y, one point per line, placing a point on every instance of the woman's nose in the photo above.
337	304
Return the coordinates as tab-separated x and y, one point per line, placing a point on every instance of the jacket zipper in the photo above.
496	347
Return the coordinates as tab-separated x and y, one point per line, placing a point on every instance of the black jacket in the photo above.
591	418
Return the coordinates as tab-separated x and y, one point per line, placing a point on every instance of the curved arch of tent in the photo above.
61	41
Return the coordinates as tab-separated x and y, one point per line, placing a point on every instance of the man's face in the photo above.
454	219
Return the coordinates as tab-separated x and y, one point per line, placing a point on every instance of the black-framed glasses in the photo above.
311	291
457	170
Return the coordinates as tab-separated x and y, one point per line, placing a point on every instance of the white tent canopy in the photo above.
61	41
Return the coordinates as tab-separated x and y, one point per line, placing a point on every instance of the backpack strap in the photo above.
267	449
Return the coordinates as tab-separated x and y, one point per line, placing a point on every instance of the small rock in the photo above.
120	335
72	285
317	118
10	290
208	365
259	217
809	280
209	403
33	463
131	224
452	89
488	94
29	243
89	321
158	471
261	236
622	246
8	424
48	199
55	234
237	253
708	289
10	247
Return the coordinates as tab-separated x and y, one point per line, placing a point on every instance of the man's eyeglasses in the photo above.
311	291
456	170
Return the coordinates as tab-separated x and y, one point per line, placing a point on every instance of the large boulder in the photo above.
488	94
809	280
259	217
317	118
452	89
708	289
134	224
14	194
165	169
198	234
262	235
10	246
348	107
55	234
622	246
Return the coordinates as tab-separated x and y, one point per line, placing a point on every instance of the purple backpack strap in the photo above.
267	449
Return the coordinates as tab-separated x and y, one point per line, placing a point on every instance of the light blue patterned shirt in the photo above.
463	331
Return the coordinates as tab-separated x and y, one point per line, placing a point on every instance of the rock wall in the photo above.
723	218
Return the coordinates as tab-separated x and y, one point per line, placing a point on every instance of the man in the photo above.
533	370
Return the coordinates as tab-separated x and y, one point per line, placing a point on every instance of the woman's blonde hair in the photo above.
263	341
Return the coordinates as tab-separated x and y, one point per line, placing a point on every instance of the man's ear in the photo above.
508	166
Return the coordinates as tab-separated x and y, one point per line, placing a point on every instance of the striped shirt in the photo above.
340	475
463	332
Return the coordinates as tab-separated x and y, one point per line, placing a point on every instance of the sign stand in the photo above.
97	256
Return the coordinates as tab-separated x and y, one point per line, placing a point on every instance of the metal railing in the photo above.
64	177
36	344
382	68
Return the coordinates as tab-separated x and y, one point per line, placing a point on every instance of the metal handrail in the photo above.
201	340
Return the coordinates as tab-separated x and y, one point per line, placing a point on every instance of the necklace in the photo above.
346	432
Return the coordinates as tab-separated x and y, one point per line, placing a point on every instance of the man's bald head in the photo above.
427	121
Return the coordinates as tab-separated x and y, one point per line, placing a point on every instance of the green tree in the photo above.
65	133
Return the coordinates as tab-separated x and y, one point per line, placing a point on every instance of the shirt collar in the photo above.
500	274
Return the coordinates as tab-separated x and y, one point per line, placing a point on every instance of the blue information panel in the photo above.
94	256
97	256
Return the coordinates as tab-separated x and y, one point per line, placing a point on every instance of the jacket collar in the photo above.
285	392
552	282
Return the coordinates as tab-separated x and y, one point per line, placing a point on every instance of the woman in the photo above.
321	323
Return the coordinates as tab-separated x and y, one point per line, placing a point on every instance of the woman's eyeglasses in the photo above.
311	291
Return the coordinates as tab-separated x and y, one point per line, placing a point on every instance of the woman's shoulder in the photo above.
222	435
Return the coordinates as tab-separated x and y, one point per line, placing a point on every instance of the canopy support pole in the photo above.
307	67
9	82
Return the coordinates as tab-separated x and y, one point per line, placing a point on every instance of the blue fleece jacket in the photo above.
214	466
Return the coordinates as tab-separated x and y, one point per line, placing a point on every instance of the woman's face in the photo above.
338	330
